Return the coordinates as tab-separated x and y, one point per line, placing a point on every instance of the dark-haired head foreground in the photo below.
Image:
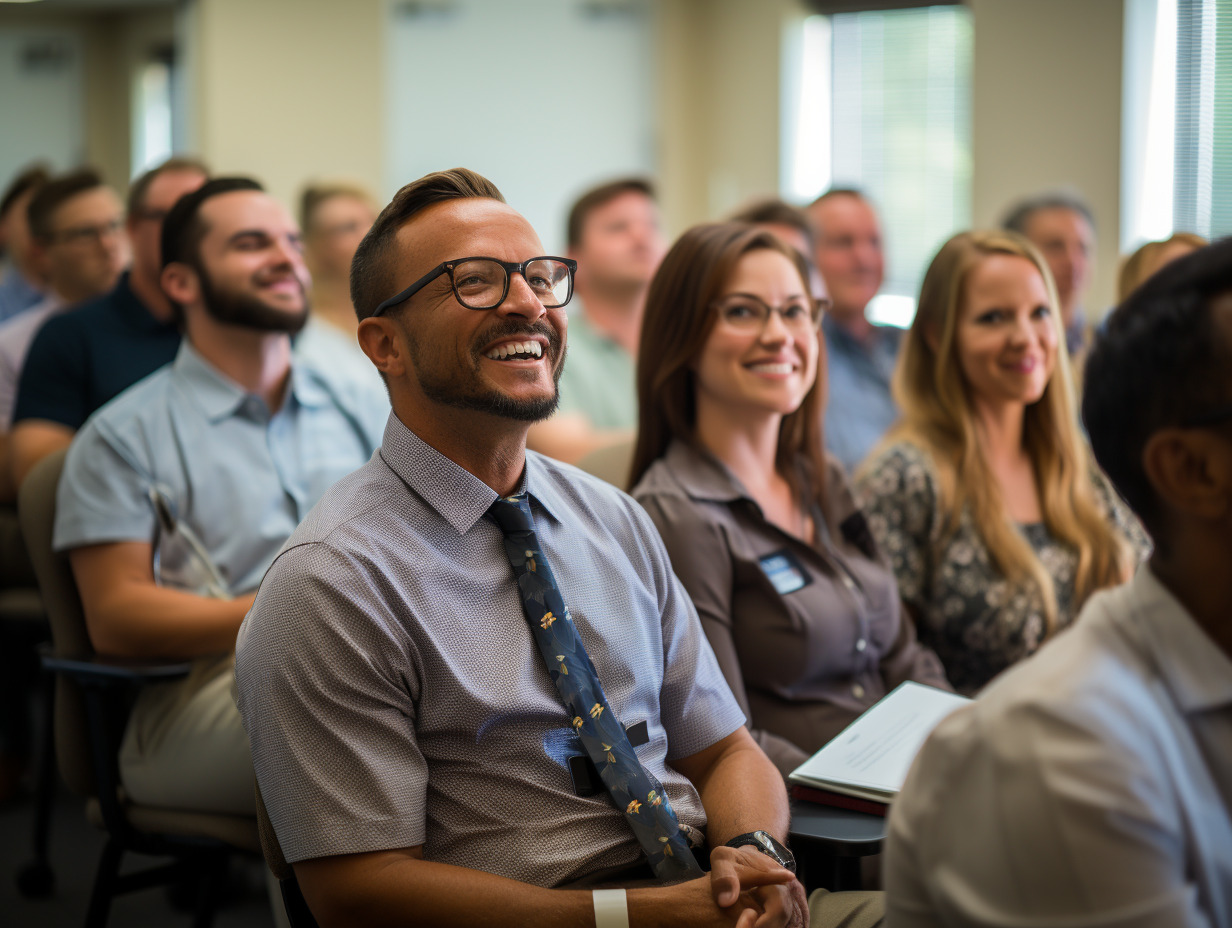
1107	755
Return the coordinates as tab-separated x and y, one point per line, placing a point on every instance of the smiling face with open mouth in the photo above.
504	361
760	369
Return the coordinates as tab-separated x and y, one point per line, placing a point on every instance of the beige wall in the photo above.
289	90
114	47
719	139
1047	113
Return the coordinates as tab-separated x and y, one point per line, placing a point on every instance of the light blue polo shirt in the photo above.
240	478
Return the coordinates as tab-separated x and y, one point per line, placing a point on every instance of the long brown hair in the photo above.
678	320
939	417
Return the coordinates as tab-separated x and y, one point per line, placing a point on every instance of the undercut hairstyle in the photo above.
141	185
599	196
1161	361
55	193
1019	215
373	269
939	417
679	318
32	178
183	229
776	212
313	195
1144	262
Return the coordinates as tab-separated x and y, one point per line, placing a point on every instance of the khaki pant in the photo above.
846	910
185	747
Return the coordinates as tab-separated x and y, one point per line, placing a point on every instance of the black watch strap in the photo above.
768	845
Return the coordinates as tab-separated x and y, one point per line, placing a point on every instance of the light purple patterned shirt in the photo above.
393	694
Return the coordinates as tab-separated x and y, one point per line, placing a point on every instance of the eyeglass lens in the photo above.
82	234
747	312
481	282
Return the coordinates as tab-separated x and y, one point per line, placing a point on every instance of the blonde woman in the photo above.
984	496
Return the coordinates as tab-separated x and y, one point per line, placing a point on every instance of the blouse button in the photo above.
861	644
857	691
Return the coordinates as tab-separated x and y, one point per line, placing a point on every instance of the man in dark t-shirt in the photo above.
81	359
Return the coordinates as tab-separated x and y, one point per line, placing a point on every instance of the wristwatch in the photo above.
766	843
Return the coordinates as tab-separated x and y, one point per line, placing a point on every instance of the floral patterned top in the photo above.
977	621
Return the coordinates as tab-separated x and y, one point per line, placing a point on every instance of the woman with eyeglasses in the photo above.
996	519
801	610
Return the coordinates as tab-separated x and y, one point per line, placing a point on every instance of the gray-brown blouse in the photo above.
808	635
977	621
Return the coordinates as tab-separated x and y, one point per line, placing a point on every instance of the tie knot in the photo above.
512	514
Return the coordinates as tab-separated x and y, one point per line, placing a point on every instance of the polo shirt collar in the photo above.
1195	670
457	495
701	475
218	396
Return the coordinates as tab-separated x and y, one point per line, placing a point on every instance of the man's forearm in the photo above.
129	615
740	788
398	888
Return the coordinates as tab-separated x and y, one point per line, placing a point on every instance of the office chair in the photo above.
92	699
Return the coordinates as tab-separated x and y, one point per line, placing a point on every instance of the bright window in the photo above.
1177	136
881	101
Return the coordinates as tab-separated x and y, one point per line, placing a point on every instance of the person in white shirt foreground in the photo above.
1091	785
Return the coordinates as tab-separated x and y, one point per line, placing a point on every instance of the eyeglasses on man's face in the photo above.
481	283
81	235
745	312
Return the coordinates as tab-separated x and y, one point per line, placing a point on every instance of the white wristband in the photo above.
611	908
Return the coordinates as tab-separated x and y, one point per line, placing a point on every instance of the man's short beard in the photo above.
496	403
248	312
446	390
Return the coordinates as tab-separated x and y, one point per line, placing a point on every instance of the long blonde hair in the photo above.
939	417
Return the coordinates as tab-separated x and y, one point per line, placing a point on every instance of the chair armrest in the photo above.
103	669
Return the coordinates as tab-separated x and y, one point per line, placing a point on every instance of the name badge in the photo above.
784	571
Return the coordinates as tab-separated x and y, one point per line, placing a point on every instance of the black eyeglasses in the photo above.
483	283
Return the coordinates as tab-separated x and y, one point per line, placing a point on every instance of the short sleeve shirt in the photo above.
394	696
81	360
599	379
240	477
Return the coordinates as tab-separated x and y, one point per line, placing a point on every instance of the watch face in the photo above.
771	847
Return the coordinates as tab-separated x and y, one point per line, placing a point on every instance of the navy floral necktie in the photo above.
636	793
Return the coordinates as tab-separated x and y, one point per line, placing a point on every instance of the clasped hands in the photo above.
755	892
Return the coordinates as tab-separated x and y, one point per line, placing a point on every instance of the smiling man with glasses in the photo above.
76	226
474	689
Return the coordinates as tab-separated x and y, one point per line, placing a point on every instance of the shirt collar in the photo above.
457	495
218	396
1192	666
701	475
214	393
